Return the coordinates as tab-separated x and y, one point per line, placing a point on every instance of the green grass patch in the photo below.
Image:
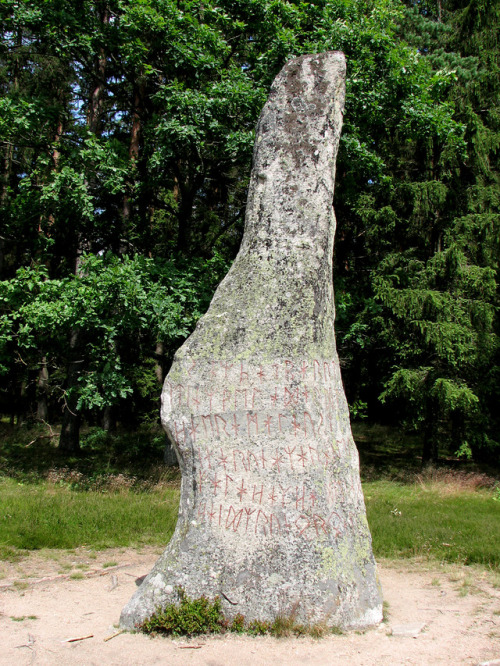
436	521
47	515
191	617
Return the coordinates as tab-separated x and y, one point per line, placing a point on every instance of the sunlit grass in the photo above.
434	520
45	515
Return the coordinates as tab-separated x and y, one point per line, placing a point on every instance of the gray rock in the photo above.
411	630
272	518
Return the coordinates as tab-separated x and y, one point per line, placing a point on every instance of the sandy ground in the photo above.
46	599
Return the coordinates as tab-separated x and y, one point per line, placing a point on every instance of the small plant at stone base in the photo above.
284	626
321	630
258	628
385	611
190	617
187	618
237	625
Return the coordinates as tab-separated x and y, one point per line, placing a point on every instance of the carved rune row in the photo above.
248	519
250	424
242	373
291	458
196	400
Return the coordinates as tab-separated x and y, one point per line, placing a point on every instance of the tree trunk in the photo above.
42	410
430	448
69	440
133	153
97	96
159	367
108	419
22	406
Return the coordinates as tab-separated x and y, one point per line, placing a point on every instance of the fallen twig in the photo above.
233	603
80	638
190	647
443	610
117	633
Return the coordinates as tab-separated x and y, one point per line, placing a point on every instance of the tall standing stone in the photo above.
272	518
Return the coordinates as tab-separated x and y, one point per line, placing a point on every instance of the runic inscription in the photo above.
296	405
271	516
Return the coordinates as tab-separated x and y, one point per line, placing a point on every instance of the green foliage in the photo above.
116	303
126	133
190	617
258	628
427	246
187	617
237	624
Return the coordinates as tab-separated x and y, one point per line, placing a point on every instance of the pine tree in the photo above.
438	283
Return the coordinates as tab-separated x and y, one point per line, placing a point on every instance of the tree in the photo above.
126	134
433	294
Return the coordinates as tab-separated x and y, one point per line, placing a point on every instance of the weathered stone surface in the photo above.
272	517
411	630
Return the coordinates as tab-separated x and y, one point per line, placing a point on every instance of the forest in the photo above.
126	138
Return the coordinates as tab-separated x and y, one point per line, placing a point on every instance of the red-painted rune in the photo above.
243	374
216	483
267	424
226	367
289	452
194	398
223	459
193	429
242	490
296	425
208	458
277	461
235	426
302	456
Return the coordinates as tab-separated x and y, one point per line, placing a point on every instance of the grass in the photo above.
77	575
434	521
47	515
118	494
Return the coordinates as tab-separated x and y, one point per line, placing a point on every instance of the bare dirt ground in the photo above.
447	615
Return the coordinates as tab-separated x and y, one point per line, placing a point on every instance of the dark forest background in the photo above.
126	135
